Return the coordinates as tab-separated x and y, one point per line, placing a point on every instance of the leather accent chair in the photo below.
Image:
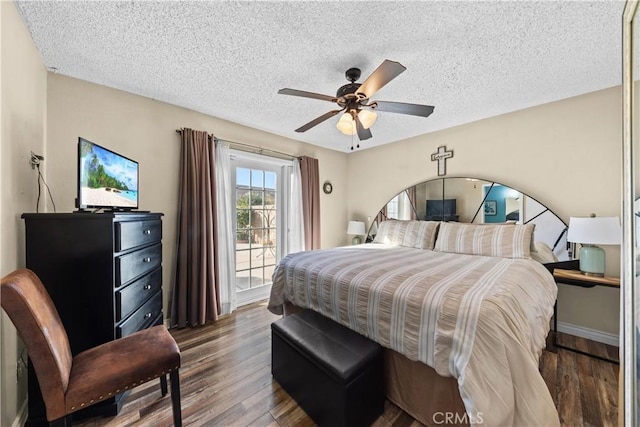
70	383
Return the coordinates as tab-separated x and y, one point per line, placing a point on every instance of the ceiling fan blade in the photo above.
382	75
318	120
362	132
304	94
402	108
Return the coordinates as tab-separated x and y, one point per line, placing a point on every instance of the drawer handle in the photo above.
146	287
147	259
148	315
146	232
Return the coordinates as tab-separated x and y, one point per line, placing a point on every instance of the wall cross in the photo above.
441	157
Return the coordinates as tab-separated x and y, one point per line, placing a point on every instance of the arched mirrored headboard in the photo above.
477	201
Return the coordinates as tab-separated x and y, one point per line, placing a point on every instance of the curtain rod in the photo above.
259	150
180	132
251	148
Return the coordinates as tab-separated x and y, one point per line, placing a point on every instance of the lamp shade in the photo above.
356	228
594	231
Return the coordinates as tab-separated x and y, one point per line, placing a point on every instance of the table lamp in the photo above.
356	229
590	232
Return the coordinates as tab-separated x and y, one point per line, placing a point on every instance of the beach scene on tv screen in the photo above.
107	179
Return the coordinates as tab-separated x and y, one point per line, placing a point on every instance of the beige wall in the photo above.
23	85
144	130
566	154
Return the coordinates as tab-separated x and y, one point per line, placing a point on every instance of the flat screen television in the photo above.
441	209
106	179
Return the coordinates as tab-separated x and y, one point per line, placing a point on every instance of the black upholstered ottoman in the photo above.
334	373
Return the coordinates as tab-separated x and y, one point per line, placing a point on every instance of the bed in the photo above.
462	309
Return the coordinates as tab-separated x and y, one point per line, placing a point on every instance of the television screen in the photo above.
441	207
105	179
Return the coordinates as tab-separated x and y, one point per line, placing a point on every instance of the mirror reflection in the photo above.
477	201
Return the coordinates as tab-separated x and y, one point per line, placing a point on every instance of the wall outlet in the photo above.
35	160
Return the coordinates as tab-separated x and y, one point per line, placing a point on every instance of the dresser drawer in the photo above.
137	263
130	234
142	317
132	296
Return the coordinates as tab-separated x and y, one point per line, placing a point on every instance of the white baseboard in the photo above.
591	334
21	418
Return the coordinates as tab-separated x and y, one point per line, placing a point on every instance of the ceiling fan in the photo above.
353	99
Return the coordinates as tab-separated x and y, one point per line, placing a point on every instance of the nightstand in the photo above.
576	278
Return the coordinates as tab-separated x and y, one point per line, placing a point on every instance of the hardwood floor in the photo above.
584	389
226	381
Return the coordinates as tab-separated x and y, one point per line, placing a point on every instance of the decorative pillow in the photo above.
414	234
512	241
532	248
543	253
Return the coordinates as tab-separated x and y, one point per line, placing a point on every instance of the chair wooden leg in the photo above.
62	422
163	385
175	398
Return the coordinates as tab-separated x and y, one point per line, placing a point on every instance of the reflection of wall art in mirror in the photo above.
490	207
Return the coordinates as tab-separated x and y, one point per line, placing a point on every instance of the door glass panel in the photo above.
256	227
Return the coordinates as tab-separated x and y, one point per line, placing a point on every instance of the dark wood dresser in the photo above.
104	274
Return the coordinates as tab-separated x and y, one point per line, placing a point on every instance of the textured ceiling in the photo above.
471	60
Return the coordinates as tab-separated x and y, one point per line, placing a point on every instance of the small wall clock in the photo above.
327	187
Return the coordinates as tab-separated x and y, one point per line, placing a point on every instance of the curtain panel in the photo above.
413	200
382	215
296	241
195	293
226	235
310	183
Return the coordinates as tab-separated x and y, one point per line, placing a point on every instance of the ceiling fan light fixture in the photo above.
346	124
367	118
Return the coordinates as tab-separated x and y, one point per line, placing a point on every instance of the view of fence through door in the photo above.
256	226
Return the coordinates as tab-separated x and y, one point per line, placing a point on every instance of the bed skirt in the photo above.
417	389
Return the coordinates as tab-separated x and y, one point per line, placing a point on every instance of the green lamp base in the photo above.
356	240
592	261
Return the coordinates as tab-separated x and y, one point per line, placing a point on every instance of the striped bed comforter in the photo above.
482	320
